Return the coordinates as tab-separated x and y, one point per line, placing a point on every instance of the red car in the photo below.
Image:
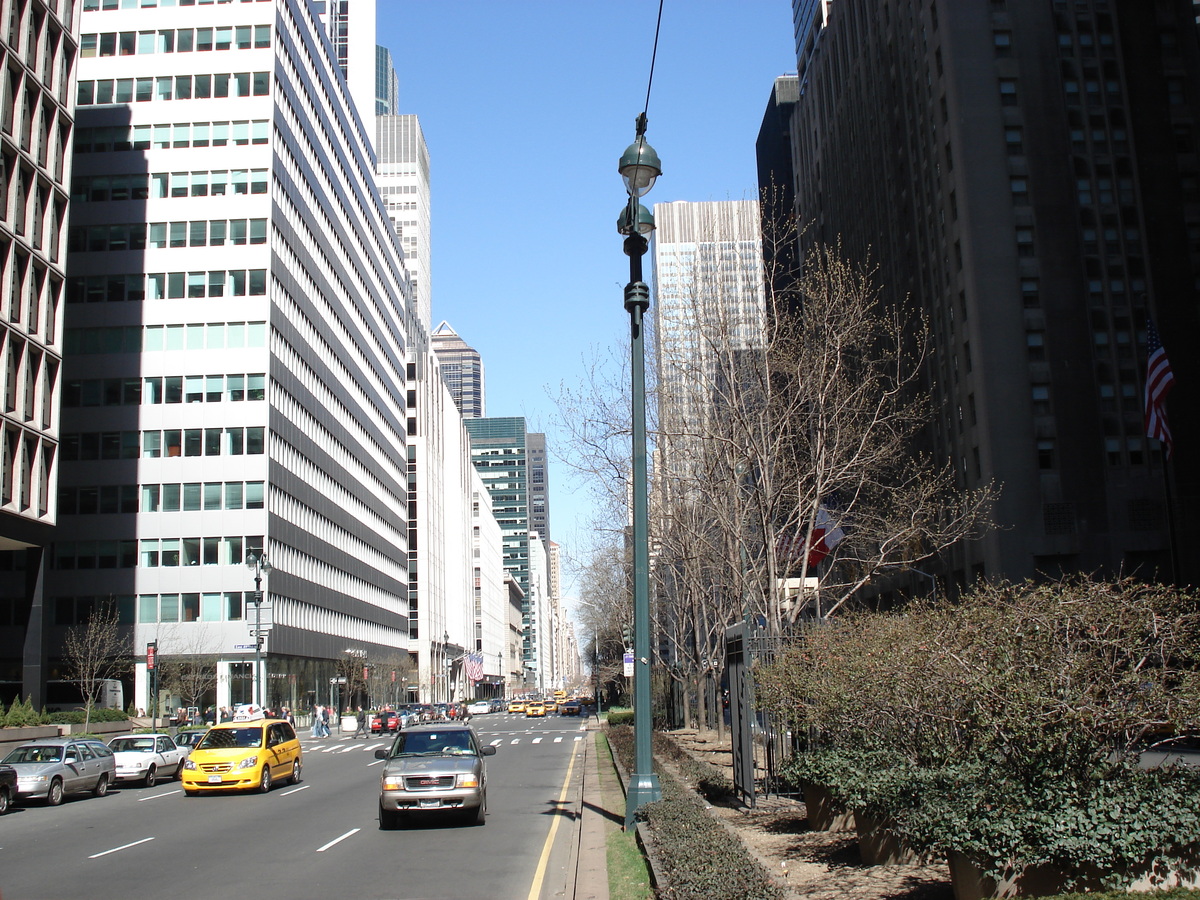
385	721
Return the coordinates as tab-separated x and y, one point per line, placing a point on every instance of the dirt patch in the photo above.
813	865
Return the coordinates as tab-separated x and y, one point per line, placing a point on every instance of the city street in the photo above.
319	838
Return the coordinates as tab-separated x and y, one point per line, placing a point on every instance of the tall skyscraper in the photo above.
387	87
350	28
39	46
236	340
402	175
1027	172
708	275
462	369
539	486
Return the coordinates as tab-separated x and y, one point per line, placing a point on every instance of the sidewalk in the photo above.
582	870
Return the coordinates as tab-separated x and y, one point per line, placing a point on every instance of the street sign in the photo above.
628	663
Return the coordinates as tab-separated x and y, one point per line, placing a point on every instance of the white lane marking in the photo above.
558	740
348	749
156	796
497	742
122	847
579	737
537	740
515	741
338	840
303	787
377	762
333	749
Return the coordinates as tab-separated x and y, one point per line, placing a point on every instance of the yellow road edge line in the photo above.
539	874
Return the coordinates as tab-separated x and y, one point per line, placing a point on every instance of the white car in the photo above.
479	707
147	757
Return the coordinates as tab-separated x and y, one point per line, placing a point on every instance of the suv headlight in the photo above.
248	763
468	780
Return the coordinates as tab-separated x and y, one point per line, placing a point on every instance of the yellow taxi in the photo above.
516	706
249	754
535	708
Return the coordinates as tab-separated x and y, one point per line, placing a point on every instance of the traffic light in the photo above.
627	634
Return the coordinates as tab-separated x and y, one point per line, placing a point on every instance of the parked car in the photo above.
433	769
570	708
386	721
50	769
479	708
243	756
188	739
8	787
147	757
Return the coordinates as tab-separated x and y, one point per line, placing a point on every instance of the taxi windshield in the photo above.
228	738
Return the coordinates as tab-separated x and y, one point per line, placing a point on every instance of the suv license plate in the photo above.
431	803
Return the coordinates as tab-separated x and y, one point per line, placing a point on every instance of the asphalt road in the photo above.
313	840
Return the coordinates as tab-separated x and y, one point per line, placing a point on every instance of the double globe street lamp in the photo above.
639	167
261	566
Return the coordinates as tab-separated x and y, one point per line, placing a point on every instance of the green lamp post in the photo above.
639	168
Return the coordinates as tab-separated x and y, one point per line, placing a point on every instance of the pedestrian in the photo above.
316	722
324	721
362	723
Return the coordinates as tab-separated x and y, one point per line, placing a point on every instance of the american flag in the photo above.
1159	380
474	666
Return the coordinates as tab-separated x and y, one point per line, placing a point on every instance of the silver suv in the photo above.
434	769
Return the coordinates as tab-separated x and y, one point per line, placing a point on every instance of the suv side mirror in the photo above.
489	750
381	753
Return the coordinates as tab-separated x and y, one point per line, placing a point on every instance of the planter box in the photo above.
824	814
29	733
1044	881
97	728
879	847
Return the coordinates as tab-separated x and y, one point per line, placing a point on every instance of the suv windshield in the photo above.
226	738
433	743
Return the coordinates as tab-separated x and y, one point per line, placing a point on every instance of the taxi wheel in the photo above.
54	796
151	777
294	778
101	787
264	784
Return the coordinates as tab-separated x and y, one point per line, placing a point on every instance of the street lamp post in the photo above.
639	167
261	567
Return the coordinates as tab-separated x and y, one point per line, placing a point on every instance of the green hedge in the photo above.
21	714
698	858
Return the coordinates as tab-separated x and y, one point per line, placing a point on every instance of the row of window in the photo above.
143	185
144	339
166	285
164	389
169	442
147	498
172	87
123	554
97	5
174	40
29	292
161	235
103	139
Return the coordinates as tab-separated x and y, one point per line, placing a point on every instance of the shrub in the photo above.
698	858
620	717
704	777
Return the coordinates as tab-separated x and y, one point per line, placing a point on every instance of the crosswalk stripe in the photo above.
558	740
579	737
537	740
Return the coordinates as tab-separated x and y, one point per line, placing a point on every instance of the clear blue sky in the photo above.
526	108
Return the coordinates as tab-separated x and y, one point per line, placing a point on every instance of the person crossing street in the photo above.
362	724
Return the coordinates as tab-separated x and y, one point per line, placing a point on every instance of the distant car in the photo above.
51	768
516	706
570	708
386	720
188	739
535	708
433	769
8	787
147	757
499	705
479	708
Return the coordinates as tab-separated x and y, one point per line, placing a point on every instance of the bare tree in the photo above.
388	679
96	650
190	672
